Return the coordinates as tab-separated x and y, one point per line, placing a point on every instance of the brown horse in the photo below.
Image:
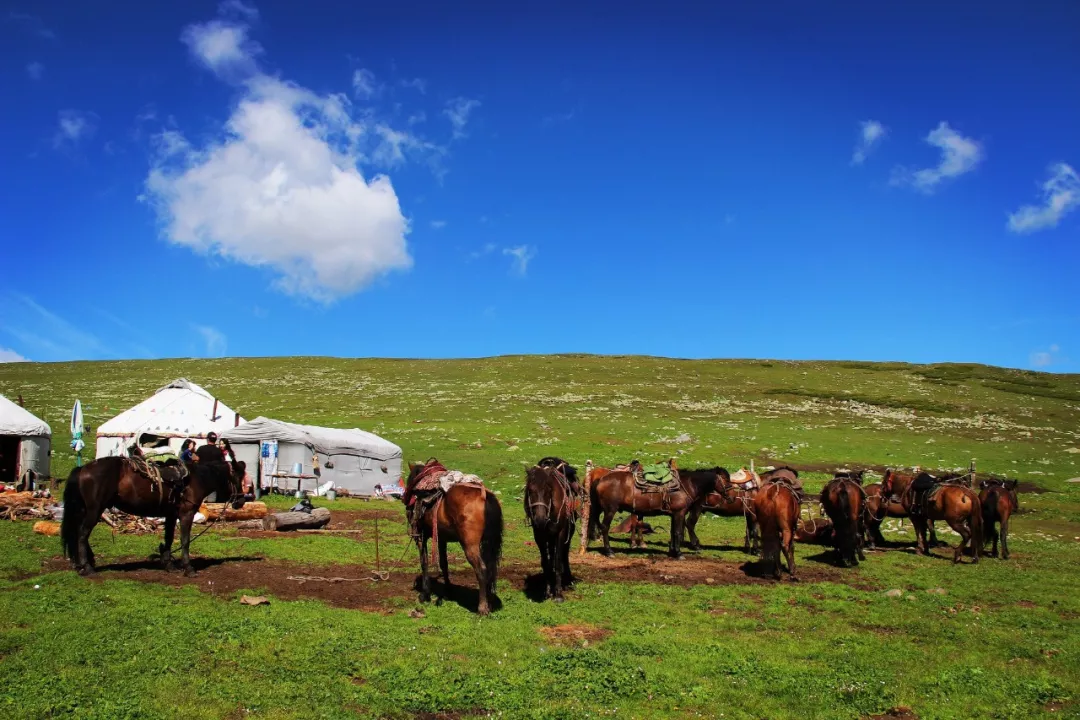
551	507
617	491
882	504
119	482
776	508
734	502
999	502
955	503
466	513
842	500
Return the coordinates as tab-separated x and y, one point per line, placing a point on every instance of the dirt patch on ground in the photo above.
574	635
897	713
1029	487
360	587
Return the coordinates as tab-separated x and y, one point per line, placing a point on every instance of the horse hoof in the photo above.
423	598
609	553
87	571
483	611
558	599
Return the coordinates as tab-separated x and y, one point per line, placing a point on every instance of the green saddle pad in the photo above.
659	473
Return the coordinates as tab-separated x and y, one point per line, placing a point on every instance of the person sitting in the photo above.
187	452
210	452
921	486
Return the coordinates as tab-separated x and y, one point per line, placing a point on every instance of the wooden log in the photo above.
47	527
250	511
317	518
16	498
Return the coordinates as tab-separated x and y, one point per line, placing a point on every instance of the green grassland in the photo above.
1002	642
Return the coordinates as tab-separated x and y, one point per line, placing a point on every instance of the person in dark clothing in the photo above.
187	452
210	452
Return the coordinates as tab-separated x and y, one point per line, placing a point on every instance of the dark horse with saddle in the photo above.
173	490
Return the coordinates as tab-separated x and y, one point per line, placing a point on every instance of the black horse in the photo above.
129	485
551	506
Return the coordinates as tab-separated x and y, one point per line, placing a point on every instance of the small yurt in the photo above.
25	443
162	422
305	457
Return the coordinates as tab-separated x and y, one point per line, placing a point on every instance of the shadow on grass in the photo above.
466	596
197	564
535	588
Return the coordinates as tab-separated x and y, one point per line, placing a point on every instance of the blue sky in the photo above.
880	181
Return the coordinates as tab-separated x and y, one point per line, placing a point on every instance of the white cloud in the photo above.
282	189
418	84
438	224
1045	358
213	339
364	83
417	118
458	111
32	24
959	155
521	255
35	70
870	134
44	334
223	47
1060	196
237	9
73	126
10	356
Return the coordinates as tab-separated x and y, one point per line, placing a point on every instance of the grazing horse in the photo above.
617	491
843	501
467	513
776	507
954	503
999	502
125	483
551	507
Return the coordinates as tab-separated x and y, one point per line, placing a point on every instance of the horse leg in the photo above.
544	545
691	526
934	542
472	552
165	548
185	543
919	524
605	531
557	569
678	520
860	535
85	565
789	551
564	551
993	532
425	581
965	538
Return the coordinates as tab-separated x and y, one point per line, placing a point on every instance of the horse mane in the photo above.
555	462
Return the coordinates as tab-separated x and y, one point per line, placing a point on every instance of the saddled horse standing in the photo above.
882	504
619	491
776	509
465	512
953	502
999	501
843	501
137	487
551	507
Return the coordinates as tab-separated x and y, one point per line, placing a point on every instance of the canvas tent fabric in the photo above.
25	443
177	411
15	420
351	459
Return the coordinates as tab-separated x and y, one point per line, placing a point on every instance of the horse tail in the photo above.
74	510
492	538
976	523
843	501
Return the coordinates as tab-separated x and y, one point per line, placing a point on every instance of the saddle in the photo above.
428	489
661	477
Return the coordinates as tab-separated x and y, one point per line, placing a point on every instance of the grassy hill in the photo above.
1003	641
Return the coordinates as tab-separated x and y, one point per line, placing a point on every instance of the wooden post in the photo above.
585	509
971	471
751	466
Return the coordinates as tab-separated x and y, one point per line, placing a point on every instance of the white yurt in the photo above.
162	422
25	443
352	460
